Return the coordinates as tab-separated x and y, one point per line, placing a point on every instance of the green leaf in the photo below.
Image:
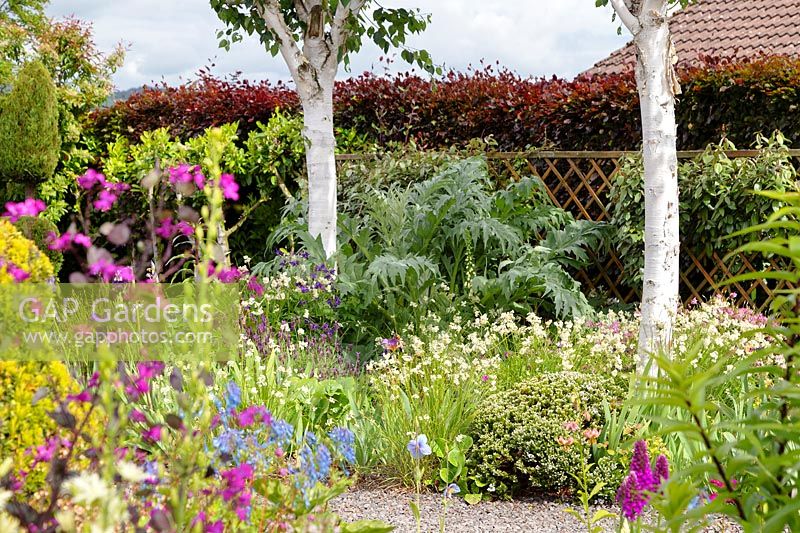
367	526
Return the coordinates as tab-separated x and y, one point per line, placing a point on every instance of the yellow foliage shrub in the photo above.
23	253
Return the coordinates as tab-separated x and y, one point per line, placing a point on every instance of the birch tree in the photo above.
657	83
314	37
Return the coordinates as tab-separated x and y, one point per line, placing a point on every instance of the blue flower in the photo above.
282	432
234	395
344	439
418	446
451	489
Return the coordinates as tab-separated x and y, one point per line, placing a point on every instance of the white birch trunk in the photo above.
657	89
658	86
321	163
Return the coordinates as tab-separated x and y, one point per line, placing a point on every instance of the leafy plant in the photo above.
745	467
30	143
715	198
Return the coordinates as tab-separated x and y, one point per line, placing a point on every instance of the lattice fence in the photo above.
580	182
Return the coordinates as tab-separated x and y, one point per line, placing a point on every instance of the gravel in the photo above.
528	515
391	505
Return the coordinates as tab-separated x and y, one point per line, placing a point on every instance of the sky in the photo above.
170	40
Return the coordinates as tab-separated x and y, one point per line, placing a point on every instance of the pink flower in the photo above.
185	228
591	435
83	397
137	416
19	275
90	179
571	426
255	286
166	229
186	174
215	527
485	378
109	272
105	200
66	240
253	414
45	452
153	434
229	275
230	189
29	208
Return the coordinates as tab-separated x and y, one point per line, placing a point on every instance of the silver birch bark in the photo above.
657	86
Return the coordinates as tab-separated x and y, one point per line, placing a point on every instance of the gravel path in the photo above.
391	505
528	515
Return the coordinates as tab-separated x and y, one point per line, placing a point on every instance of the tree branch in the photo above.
629	20
302	10
339	29
270	11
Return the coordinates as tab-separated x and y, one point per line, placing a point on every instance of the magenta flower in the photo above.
29	208
185	228
105	200
90	179
46	452
215	527
635	491
137	416
255	286
229	275
66	240
230	189
18	274
109	272
236	481
255	413
82	397
153	434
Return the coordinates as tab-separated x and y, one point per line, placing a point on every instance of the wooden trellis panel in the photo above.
580	182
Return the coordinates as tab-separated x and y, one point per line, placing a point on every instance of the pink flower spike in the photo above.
29	208
230	189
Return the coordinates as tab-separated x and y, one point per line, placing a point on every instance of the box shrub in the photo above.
516	431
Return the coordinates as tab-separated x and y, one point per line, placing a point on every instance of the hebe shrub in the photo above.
515	431
599	112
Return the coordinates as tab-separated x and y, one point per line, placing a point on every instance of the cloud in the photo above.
171	40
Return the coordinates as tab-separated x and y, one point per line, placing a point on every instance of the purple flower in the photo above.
418	446
105	200
19	275
45	452
110	272
137	416
229	275
662	468
215	527
391	344
83	397
29	208
90	179
253	414
230	189
255	286
236	480
66	240
635	491
185	228
153	434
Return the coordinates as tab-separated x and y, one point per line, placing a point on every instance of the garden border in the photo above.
580	182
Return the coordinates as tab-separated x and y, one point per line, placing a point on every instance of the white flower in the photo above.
130	472
87	488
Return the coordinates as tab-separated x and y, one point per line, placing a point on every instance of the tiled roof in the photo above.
724	28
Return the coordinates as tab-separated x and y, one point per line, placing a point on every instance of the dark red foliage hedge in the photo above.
589	113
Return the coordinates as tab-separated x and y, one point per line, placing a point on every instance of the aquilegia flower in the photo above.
391	344
451	489
418	446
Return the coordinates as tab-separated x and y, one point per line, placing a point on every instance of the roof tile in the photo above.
724	28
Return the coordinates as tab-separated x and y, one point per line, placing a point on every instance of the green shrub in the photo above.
30	143
516	431
37	229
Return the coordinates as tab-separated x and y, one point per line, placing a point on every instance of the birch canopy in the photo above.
314	37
